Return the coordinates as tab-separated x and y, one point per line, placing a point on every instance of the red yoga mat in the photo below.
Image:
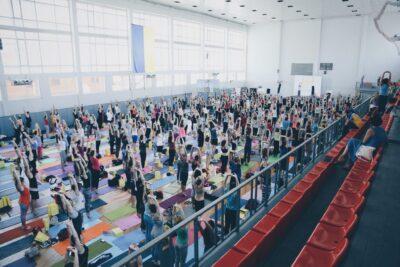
18	232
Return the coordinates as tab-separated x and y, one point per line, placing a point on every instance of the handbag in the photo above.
365	152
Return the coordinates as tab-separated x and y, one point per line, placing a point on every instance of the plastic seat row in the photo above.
257	243
330	239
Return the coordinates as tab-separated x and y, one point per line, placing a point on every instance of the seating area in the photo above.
329	240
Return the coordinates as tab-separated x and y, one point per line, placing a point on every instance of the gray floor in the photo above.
376	241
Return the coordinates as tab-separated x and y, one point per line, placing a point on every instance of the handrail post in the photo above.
196	241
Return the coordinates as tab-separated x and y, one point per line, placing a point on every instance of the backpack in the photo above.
251	204
63	234
5	204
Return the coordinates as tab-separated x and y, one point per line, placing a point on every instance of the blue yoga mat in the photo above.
24	261
16	219
164	181
126	240
14	247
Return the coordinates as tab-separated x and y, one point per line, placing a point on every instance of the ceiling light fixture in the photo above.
242	5
264	14
209	10
223	14
298	11
350	5
305	15
254	10
273	18
177	2
194	6
355	10
289	6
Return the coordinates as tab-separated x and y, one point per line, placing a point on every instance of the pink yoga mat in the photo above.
127	222
147	169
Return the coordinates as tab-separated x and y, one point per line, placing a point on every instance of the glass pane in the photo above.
63	86
120	83
22	89
94	84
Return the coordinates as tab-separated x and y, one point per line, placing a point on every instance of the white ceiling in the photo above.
258	11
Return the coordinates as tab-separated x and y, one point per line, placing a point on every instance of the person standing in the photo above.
24	198
232	204
383	95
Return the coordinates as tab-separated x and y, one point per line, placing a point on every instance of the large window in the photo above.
44	14
187	32
63	86
103	38
93	84
120	82
187	57
17	90
42	41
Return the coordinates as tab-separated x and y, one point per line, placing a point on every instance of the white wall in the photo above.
352	44
263	51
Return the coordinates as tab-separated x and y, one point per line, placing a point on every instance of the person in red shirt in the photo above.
24	198
95	164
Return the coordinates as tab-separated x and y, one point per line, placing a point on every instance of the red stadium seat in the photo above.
283	211
303	188
314	257
268	226
296	199
249	242
311	177
348	200
358	176
352	186
341	217
326	236
318	169
232	257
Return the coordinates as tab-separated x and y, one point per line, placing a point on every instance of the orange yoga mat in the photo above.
88	234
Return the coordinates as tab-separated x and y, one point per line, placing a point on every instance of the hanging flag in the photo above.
142	49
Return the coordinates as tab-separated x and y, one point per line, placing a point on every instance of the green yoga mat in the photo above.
120	212
273	159
217	179
95	249
98	247
246	168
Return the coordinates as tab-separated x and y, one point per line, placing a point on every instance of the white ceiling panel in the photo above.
257	11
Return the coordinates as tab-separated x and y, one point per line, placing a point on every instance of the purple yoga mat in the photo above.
103	182
127	222
104	190
178	198
57	167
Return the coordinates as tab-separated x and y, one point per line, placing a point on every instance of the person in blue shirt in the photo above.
233	203
383	95
235	167
374	137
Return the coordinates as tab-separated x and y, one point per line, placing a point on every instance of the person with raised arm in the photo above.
78	253
24	198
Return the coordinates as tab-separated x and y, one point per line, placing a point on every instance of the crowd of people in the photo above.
193	135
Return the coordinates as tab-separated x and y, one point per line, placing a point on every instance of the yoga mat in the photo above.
88	234
163	181
126	240
104	190
147	169
219	178
18	232
246	168
149	176
16	220
127	222
98	247
97	203
120	212
14	247
41	202
179	198
172	189
115	259
24	261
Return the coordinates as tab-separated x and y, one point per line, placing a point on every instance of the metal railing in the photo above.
269	181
